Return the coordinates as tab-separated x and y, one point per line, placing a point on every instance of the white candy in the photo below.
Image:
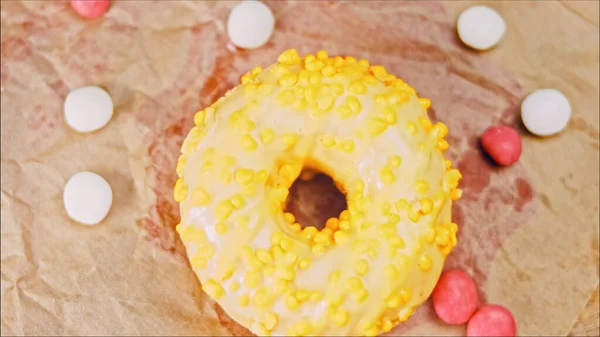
480	27
87	197
545	112
88	109
250	24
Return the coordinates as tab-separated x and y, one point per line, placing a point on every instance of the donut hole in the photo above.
314	198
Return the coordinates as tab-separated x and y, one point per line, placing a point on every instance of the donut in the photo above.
367	269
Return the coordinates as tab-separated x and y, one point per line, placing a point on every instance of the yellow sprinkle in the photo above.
426	205
220	228
456	194
396	241
442	145
340	318
361	295
404	295
322	238
199	117
425	103
246	78
288	80
291	302
310	232
354	283
303	328
440	130
267	136
413	215
315	78
358	88
200	197
369	79
264	256
328	141
252	279
286	274
282	286
285	97
180	192
261	298
244	300
332	224
256	70
285	244
425	263
353	104
395	161
402	204
248	143
376	126
344	225
391	273
316	65
425	123
316	295
289	258
393	301
289	139
198	262
234	286
213	289
289	57
322	55
379	71
325	103
302	295
386	175
304	263
348	145
387	325
328	71
421	186
270	321
223	210
361	267
237	201
334	277
181	164
244	176
411	128
389	114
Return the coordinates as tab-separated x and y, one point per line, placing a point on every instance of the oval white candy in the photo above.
87	198
250	24
88	109
545	112
480	27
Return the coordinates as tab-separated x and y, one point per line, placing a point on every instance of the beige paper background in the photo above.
528	234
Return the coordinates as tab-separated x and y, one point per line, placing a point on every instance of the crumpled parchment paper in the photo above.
527	233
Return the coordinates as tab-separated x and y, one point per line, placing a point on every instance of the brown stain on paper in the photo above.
468	93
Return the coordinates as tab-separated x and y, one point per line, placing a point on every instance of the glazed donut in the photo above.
365	271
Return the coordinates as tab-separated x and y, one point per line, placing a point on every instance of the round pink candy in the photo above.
90	8
502	143
492	320
455	297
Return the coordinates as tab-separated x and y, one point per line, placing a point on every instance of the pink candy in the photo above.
90	8
502	144
455	297
455	301
492	320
